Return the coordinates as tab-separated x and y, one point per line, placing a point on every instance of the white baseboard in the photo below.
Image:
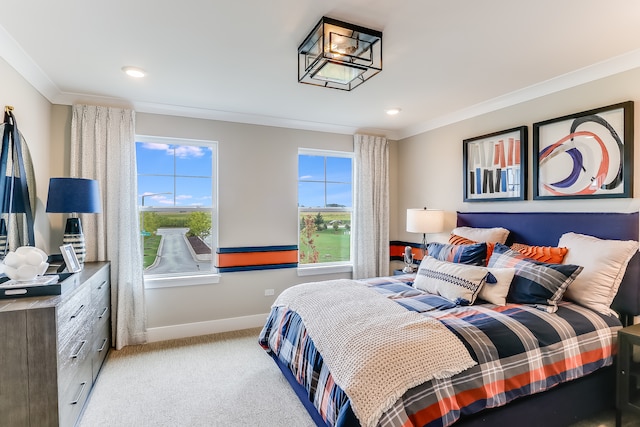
186	330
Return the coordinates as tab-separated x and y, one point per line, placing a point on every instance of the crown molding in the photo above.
17	58
609	67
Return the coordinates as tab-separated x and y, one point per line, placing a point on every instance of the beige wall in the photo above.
433	160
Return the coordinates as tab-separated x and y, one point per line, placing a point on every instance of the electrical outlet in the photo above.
268	292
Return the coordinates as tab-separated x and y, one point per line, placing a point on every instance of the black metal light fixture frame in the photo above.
339	55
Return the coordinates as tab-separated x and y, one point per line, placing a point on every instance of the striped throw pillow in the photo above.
474	254
454	239
535	283
548	254
458	283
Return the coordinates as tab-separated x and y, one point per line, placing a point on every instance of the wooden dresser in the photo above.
52	348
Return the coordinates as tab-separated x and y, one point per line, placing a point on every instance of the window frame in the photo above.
335	266
154	281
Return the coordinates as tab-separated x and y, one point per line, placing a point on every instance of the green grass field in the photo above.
332	245
151	244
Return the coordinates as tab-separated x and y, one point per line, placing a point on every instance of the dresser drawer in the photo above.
100	284
101	346
74	314
74	355
73	397
102	305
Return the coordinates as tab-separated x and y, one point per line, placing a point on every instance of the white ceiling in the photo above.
443	60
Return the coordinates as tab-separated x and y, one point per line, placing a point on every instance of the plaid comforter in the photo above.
520	350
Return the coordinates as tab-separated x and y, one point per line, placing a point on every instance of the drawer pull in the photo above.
104	344
77	353
77	313
104	311
102	284
77	398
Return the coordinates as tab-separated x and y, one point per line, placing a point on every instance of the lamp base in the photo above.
3	238
73	236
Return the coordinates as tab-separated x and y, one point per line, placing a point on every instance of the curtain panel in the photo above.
371	246
103	148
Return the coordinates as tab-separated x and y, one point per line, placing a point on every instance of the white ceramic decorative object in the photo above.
26	263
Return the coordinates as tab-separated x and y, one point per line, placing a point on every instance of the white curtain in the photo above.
103	148
371	251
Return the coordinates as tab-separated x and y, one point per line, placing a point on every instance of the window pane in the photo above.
158	158
310	168
324	237
193	160
311	194
339	169
175	191
193	192
155	190
339	195
176	241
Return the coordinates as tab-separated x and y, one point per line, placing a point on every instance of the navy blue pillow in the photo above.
537	283
475	254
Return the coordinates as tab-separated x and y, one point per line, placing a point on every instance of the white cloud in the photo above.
155	146
181	151
186	151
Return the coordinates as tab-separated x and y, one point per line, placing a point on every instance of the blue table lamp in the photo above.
74	196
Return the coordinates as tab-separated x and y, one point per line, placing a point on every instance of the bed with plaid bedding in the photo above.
520	351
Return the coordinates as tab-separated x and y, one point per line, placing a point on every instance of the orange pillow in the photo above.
547	254
454	239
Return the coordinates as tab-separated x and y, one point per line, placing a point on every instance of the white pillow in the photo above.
459	283
496	292
604	262
490	235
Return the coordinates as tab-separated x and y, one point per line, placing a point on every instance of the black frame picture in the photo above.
585	155
495	166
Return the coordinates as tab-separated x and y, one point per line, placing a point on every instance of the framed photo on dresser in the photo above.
70	258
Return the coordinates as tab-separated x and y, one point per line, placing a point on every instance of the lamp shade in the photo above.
73	195
425	220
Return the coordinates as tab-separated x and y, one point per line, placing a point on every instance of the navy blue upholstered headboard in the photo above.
545	229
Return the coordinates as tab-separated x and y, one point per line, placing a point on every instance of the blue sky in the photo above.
312	176
158	164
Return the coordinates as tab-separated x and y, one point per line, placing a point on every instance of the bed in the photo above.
563	396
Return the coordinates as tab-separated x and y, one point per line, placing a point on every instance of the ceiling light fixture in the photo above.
339	55
393	111
134	72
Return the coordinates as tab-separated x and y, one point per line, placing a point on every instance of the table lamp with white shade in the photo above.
425	221
74	196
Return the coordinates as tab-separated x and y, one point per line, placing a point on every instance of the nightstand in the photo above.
628	372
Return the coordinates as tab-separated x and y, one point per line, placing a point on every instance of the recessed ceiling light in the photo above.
134	72
393	111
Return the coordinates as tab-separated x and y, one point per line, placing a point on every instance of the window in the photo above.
177	183
325	207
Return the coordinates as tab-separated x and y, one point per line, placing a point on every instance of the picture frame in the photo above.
70	258
585	155
495	166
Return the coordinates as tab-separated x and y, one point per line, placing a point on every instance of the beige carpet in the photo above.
215	380
223	380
